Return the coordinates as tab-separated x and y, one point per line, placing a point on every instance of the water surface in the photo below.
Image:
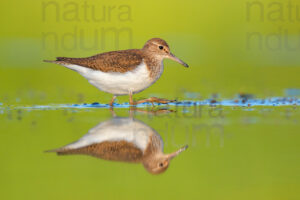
235	152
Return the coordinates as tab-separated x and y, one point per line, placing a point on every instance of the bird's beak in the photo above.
173	155
173	57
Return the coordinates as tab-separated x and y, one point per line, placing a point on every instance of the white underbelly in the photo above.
117	83
116	129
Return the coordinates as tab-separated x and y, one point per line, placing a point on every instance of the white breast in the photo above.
117	83
117	129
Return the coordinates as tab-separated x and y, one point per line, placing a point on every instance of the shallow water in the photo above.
238	102
237	109
242	152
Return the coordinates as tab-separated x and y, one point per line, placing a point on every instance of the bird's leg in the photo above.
155	100
131	102
111	109
111	103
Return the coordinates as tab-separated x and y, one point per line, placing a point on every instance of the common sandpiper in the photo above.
123	140
124	72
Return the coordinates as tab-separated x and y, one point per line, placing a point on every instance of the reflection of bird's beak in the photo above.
173	57
173	155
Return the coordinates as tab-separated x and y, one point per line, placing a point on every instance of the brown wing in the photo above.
115	61
115	151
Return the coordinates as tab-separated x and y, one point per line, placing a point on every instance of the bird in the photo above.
124	72
123	139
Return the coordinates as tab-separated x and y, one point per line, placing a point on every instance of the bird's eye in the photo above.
161	164
160	47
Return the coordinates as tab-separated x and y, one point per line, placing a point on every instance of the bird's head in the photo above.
160	49
157	164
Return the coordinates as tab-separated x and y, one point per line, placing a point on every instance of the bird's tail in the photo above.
50	61
59	60
60	151
54	150
65	151
70	63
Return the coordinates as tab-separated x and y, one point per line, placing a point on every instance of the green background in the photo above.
212	37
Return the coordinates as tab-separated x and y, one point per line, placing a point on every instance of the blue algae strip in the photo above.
241	102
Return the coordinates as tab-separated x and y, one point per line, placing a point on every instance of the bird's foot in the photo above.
153	100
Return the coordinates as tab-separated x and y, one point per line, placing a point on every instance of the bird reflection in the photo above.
123	140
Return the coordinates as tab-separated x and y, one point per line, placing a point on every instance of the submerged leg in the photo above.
111	103
155	100
152	111
111	109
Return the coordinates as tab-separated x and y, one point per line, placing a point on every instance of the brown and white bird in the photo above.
123	140
124	72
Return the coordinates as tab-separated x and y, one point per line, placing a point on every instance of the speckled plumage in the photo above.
115	151
114	61
123	140
123	72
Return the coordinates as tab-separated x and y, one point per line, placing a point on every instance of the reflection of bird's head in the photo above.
157	164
